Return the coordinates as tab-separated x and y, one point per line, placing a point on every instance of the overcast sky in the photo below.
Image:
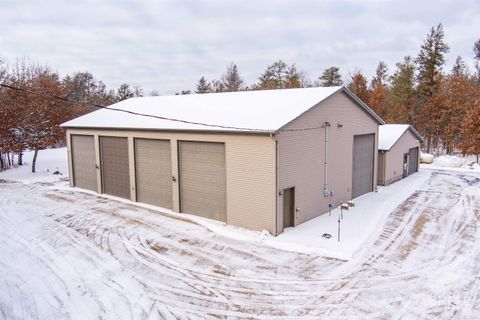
169	45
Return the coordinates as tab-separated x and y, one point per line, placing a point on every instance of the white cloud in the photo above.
169	45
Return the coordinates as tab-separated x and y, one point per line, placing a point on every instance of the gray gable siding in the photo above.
301	155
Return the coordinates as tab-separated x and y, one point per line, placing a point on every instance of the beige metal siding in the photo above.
202	178
394	157
83	160
301	155
381	168
363	164
115	166
153	172
250	165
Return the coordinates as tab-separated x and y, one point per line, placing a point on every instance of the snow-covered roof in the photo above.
263	110
388	134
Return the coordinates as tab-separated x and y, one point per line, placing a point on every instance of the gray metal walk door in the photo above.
202	179
83	161
413	161
289	207
363	159
114	166
153	172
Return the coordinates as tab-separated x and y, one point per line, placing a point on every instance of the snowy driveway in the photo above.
72	255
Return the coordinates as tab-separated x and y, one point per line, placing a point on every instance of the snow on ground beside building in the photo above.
48	161
459	162
319	235
76	255
359	224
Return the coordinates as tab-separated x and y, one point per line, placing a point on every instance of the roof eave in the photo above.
259	132
363	105
344	89
415	132
316	104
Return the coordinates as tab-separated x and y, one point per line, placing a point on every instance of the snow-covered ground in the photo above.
446	161
413	251
48	161
357	225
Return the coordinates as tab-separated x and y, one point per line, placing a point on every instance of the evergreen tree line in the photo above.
443	106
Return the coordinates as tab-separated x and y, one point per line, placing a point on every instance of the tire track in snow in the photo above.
183	270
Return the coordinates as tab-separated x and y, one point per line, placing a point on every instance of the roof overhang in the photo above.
349	94
206	131
415	132
363	105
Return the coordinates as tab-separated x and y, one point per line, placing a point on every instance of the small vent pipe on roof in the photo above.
326	192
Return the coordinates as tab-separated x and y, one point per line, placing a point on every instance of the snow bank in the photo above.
457	162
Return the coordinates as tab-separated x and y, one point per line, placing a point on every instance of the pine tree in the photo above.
124	92
293	78
381	74
137	91
183	93
403	94
273	76
430	61
379	90
476	51
331	77
231	80
217	86
203	86
83	87
459	68
280	75
358	85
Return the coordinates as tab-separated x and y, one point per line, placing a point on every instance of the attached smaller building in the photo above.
398	152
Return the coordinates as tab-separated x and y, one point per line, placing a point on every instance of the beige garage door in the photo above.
153	172
363	158
83	160
114	166
202	179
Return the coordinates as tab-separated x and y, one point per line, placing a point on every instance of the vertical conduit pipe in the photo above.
326	193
